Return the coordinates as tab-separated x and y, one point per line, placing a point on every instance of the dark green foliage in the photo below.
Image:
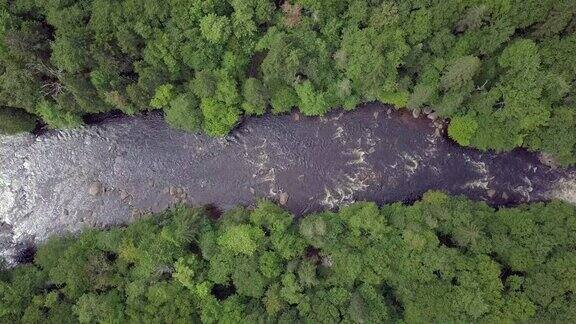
441	259
14	121
255	97
184	113
507	67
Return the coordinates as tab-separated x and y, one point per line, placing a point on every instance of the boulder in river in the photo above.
491	193
95	188
283	198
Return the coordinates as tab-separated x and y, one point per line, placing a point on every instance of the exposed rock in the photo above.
172	191
95	188
327	261
416	113
136	213
491	193
565	189
504	196
427	110
432	116
283	198
548	159
296	116
124	195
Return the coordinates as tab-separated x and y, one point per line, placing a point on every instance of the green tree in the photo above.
255	97
184	113
460	73
163	97
13	121
56	117
312	103
218	118
462	129
214	28
240	239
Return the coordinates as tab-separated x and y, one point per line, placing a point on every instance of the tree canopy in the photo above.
442	259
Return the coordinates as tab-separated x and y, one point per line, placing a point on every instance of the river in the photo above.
122	168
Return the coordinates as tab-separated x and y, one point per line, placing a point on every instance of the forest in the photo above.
442	259
502	71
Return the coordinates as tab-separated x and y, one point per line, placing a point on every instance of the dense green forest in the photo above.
442	259
502	71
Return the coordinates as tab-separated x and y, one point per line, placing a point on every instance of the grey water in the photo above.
124	168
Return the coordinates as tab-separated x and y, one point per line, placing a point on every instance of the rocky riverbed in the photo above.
123	168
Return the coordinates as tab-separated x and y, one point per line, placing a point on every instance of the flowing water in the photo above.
122	168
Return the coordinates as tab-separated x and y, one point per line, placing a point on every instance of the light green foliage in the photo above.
214	28
283	99
370	58
163	96
462	129
560	136
460	73
100	308
397	99
420	96
521	86
240	239
56	117
312	103
184	271
219	118
68	54
254	97
442	259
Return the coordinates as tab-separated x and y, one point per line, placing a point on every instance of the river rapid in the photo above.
122	168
